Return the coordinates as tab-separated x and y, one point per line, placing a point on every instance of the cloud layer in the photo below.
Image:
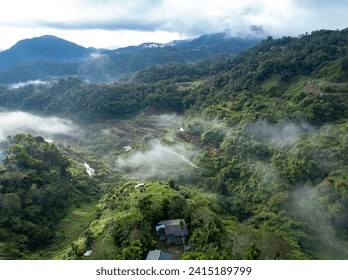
12	123
282	134
159	161
117	22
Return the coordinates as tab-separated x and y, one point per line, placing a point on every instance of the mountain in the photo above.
260	140
47	48
212	44
62	58
220	43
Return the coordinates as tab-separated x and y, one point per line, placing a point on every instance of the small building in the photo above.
88	253
127	148
159	255
172	231
141	185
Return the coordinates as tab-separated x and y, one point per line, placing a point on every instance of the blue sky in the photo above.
115	23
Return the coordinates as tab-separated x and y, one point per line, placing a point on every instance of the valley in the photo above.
249	150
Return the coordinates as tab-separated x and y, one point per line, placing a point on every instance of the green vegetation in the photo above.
37	186
69	229
270	131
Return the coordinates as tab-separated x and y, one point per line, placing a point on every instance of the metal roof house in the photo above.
172	231
159	255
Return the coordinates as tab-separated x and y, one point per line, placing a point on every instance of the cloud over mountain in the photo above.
115	21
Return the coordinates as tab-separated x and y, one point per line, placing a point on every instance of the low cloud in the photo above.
166	121
161	162
313	206
31	82
12	123
175	19
282	134
96	68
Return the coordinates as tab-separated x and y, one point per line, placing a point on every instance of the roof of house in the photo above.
88	253
159	255
173	227
139	185
158	227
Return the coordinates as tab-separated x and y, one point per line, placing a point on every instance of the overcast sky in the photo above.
115	23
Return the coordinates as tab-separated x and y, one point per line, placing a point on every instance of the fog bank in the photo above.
282	134
312	205
159	161
31	82
12	123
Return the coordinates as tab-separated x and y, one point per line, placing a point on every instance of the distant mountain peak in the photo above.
43	40
46	47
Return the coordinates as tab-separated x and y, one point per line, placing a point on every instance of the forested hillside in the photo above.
37	186
264	136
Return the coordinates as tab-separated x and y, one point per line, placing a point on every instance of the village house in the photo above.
172	231
159	255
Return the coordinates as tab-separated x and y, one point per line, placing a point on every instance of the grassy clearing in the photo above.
77	220
189	85
272	82
69	229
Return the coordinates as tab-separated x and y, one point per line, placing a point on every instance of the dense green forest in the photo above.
268	130
37	185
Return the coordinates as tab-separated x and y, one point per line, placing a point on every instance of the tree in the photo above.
171	184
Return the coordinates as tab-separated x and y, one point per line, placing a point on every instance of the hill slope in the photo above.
269	131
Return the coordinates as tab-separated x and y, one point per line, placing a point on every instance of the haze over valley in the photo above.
12	123
240	136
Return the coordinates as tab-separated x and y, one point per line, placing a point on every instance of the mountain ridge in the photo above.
267	130
100	65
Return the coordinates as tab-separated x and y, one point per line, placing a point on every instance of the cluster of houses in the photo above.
174	232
